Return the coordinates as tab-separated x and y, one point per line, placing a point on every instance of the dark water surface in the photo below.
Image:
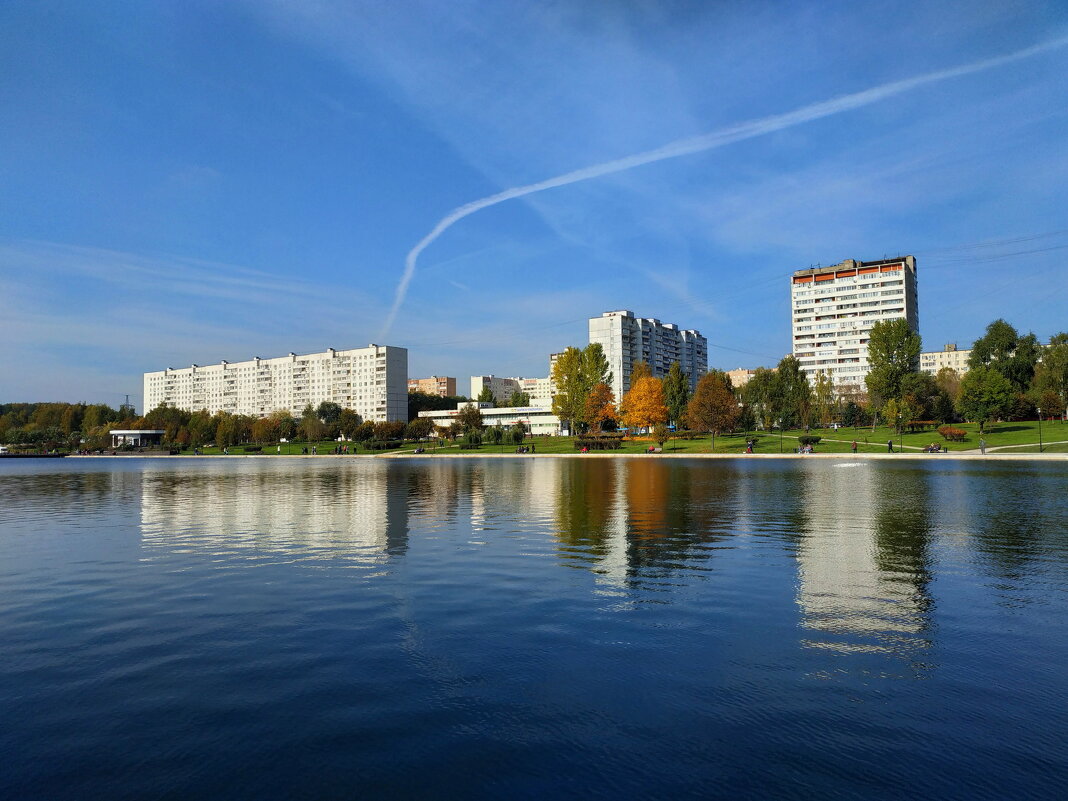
539	628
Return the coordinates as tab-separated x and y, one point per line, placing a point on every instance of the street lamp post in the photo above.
1040	431
780	435
900	435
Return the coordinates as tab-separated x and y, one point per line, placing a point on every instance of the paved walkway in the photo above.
1027	445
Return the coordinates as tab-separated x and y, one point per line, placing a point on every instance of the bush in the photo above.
808	439
603	442
953	434
382	445
471	441
919	425
253	448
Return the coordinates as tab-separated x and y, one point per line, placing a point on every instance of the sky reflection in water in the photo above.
481	628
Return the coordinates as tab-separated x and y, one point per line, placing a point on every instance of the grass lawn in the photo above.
1023	434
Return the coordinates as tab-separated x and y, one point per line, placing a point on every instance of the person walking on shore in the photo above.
982	446
889	446
854	446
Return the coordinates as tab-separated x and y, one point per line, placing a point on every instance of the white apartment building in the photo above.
372	381
949	356
627	339
834	308
539	389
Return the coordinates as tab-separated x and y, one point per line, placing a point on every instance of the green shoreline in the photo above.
927	457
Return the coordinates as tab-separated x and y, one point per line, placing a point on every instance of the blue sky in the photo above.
193	181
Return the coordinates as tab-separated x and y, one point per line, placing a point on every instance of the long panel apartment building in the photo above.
627	340
834	308
372	381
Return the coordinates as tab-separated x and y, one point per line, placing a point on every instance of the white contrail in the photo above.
697	144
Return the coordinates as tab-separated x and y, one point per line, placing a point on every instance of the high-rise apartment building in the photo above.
627	339
441	385
371	381
834	308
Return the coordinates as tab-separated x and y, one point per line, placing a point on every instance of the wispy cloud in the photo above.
697	144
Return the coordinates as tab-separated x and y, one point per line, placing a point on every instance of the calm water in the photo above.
535	628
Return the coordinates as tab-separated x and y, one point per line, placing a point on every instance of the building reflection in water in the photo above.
323	511
863	559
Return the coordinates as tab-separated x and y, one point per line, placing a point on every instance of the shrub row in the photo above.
953	434
606	442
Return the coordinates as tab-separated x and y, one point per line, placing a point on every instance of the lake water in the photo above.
533	628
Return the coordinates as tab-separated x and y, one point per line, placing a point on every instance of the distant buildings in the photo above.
443	386
538	389
834	308
949	356
371	381
627	339
740	377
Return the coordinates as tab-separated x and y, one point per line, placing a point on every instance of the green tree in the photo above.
311	426
893	353
329	412
388	430
948	381
470	419
425	402
1004	350
519	399
569	402
495	434
676	393
823	399
348	421
201	428
594	367
760	395
985	394
661	434
925	398
518	433
1051	377
486	395
713	407
420	428
792	393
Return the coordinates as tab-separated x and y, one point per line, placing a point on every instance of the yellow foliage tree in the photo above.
643	405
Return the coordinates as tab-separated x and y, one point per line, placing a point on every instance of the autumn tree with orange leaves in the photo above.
600	412
643	404
713	407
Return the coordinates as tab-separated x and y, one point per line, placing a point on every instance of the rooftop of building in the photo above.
851	264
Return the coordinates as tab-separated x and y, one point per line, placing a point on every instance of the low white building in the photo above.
537	420
372	381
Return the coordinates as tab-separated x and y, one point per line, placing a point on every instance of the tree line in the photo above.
1010	377
87	426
